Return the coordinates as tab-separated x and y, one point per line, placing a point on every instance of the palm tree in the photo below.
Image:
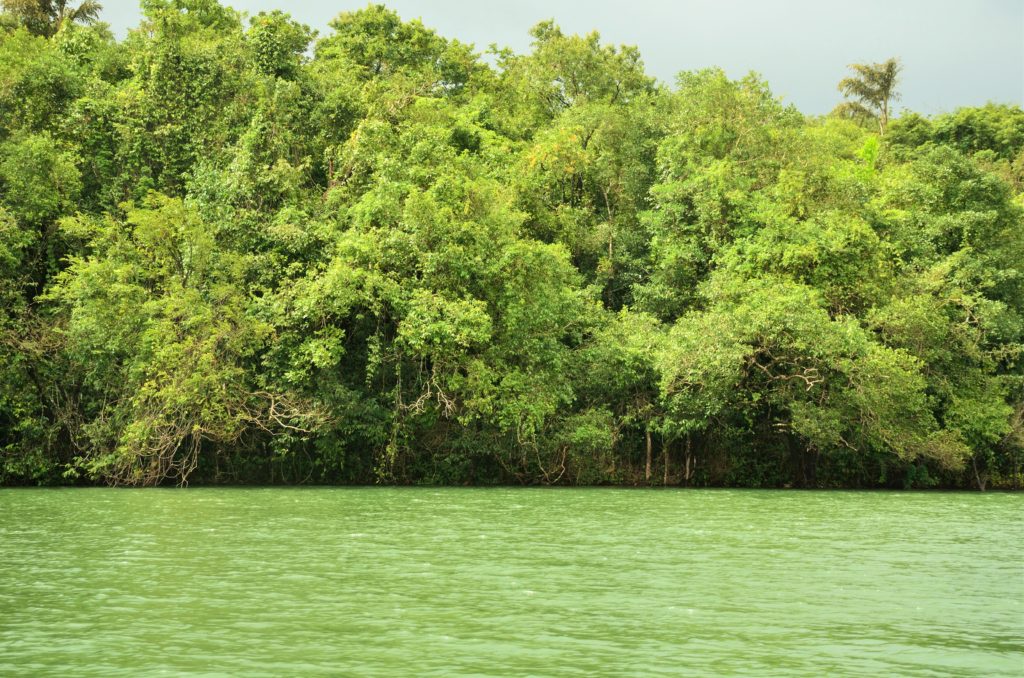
46	17
873	88
86	12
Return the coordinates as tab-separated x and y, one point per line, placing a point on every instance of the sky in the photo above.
954	52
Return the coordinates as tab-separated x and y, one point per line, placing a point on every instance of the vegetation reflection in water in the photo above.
377	581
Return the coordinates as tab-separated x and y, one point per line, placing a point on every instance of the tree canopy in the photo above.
235	250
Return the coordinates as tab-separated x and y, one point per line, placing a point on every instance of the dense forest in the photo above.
234	251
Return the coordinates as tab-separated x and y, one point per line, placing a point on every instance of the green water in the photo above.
389	582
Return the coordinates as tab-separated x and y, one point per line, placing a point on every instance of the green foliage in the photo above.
38	81
237	252
40	181
278	43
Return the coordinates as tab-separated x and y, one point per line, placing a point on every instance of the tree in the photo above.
227	257
45	17
278	43
873	89
727	142
159	311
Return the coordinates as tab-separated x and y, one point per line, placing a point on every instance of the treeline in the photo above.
231	251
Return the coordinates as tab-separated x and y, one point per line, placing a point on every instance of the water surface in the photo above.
511	582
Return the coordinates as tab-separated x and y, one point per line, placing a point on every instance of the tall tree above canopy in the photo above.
872	90
45	17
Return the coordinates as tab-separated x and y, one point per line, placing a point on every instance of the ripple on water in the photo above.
384	582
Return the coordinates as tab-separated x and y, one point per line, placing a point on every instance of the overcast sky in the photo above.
954	52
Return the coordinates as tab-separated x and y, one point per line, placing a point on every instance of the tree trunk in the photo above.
803	466
689	457
664	455
1016	470
981	478
647	469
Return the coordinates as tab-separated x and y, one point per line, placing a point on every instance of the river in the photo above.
509	582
